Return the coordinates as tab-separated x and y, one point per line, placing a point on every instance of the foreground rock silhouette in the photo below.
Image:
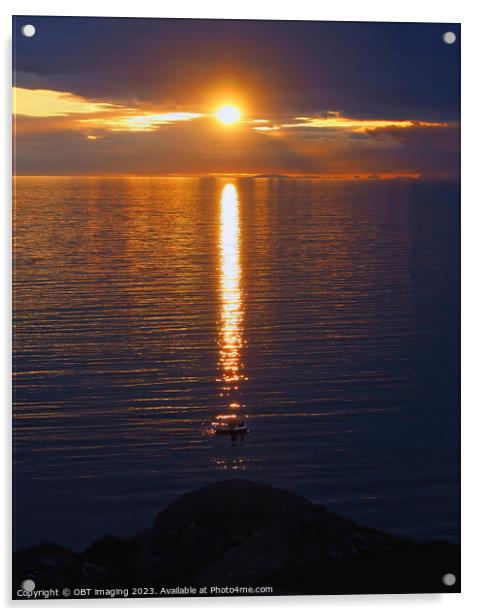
241	533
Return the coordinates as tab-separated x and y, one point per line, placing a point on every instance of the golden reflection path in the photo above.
232	308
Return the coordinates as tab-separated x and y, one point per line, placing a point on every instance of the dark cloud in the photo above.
275	70
369	70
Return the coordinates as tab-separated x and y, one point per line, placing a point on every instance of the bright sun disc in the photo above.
228	114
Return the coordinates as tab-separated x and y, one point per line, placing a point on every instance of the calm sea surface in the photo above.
326	311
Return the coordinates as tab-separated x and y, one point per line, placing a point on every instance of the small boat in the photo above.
232	424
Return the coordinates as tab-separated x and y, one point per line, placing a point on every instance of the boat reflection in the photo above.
231	464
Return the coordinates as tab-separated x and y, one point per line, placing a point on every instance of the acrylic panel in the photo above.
236	308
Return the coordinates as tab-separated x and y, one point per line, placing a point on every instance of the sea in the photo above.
324	312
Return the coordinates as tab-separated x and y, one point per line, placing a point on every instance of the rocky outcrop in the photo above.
238	532
244	532
48	564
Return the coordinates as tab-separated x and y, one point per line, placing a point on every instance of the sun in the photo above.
228	114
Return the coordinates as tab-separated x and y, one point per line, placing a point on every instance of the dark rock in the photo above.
46	564
109	558
238	532
408	567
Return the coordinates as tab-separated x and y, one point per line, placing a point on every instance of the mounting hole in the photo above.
28	585
449	579
449	38
28	30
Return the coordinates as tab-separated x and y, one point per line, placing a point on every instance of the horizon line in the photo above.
385	176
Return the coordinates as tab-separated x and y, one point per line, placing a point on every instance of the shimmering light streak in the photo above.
232	309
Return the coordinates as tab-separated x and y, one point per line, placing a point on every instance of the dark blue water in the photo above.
327	310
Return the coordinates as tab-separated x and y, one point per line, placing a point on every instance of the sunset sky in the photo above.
99	96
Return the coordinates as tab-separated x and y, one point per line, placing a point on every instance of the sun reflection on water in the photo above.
232	309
